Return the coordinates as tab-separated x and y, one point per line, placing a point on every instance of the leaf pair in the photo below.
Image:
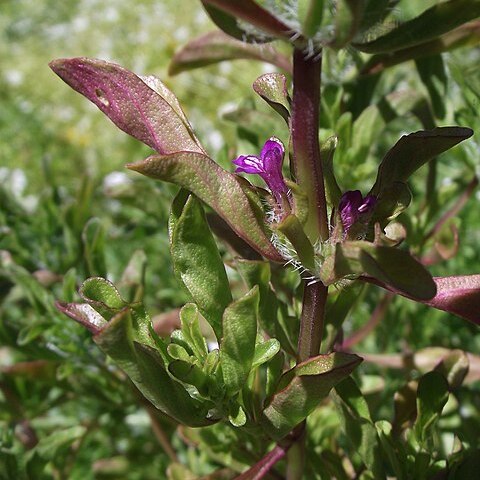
144	108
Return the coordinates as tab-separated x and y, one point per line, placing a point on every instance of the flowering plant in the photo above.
279	351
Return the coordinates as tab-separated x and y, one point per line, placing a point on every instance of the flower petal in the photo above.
248	164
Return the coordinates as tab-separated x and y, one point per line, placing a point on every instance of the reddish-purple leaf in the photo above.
459	295
258	16
84	314
141	107
214	47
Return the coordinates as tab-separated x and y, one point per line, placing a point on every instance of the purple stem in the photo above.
307	168
261	468
307	165
375	319
312	320
457	206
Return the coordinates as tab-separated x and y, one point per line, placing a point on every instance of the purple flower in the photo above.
354	209
268	166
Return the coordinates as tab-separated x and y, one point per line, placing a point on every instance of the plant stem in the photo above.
376	317
307	165
307	168
312	320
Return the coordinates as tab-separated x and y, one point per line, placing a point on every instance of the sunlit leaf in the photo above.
131	103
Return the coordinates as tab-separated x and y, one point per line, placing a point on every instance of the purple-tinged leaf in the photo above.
466	35
228	24
272	87
229	195
143	108
414	150
301	390
388	265
432	23
215	47
259	17
459	295
84	314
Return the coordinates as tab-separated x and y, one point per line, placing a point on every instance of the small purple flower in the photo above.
268	166
354	209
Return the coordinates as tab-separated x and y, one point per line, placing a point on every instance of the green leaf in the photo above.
145	367
237	416
414	150
391	203
435	21
189	373
433	75
374	12
265	351
454	367
256	272
310	13
348	18
432	395
302	389
272	87
197	262
337	312
93	238
227	194
97	290
463	36
359	429
215	47
237	347
332	190
389	265
291	227
393	449
134	104
191	331
50	448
